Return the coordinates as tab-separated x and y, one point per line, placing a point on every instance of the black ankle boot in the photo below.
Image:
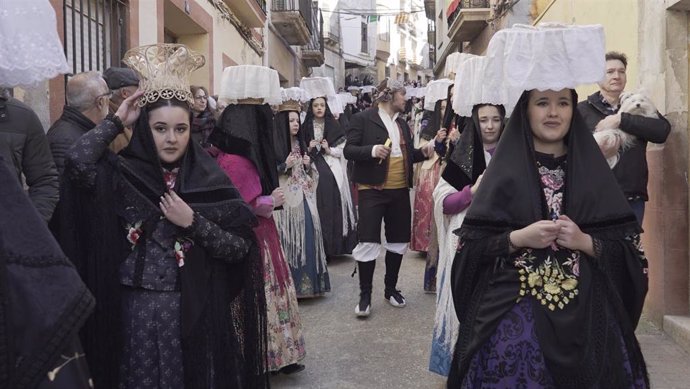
391	293
366	279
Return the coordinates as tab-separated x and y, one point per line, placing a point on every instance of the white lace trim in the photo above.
30	49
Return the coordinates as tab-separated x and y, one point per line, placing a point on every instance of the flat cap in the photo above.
117	78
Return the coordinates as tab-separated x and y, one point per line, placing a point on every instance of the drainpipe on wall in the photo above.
269	5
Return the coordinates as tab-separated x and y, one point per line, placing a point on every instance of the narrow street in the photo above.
390	349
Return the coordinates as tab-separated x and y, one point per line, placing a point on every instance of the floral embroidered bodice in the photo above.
553	279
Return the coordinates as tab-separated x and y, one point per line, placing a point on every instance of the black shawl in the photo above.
283	144
332	131
467	161
43	303
223	304
247	130
612	289
435	122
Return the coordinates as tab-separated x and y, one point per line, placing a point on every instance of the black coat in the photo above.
631	170
65	132
25	149
367	130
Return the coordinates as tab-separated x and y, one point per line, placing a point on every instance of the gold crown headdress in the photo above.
292	99
164	70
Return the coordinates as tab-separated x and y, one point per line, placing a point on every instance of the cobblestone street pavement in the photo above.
390	349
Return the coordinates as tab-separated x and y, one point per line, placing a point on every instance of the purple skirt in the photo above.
512	356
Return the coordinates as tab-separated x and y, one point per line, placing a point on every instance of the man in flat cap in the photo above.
123	82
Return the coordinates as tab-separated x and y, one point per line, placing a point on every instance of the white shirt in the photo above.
393	132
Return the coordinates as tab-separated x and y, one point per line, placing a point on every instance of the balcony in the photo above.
468	19
293	18
383	46
332	36
312	53
252	13
402	55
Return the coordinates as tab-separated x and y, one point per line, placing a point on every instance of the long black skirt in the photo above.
330	207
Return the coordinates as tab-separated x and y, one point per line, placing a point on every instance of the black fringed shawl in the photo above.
247	130
581	344
223	300
43	303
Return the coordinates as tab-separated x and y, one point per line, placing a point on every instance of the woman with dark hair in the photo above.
203	119
452	197
325	142
168	250
549	247
244	138
298	221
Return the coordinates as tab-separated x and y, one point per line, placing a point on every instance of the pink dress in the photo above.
285	340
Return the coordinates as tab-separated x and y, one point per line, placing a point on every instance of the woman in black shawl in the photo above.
325	142
452	196
43	303
171	257
549	278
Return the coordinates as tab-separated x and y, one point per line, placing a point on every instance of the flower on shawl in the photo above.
182	245
134	233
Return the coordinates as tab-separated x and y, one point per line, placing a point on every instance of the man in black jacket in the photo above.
25	150
380	144
87	104
600	111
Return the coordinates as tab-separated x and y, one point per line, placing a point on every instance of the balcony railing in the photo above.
293	18
468	20
465	4
262	4
312	53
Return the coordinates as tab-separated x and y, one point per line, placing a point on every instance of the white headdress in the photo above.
321	87
292	99
436	90
250	84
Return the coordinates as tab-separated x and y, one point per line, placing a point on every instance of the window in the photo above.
365	36
95	33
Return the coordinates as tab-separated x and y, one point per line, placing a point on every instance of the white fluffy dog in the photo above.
632	103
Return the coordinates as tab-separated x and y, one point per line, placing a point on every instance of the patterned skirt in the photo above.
512	356
285	340
152	352
423	211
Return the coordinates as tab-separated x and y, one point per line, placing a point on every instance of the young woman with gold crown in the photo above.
166	245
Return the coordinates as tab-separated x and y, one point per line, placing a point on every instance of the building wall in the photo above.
663	71
282	59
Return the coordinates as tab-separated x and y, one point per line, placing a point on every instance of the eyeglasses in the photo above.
200	98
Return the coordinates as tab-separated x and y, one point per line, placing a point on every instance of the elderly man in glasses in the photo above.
88	97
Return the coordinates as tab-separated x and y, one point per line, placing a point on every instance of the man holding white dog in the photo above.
601	112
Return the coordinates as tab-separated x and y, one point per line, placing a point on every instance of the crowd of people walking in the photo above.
180	230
